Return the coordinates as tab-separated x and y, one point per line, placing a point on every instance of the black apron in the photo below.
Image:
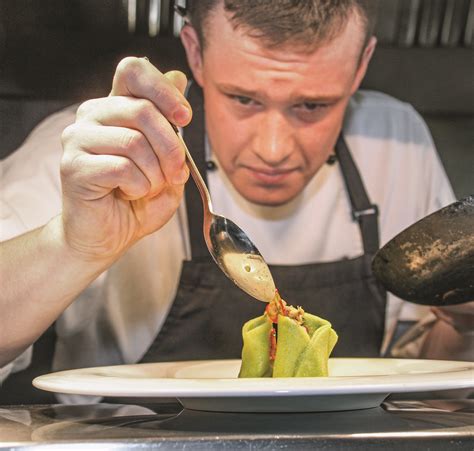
206	318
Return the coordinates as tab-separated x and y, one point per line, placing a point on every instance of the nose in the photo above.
273	138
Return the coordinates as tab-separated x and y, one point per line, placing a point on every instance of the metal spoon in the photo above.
230	247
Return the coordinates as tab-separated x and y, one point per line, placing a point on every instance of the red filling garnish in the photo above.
279	307
275	308
273	344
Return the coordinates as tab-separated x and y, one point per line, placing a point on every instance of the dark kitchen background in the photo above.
57	52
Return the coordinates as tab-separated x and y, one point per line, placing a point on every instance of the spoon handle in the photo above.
196	175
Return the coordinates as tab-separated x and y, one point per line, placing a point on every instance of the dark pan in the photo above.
432	261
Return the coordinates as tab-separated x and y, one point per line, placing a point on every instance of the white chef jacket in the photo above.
116	318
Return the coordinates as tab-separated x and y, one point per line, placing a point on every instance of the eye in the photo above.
313	106
311	111
242	100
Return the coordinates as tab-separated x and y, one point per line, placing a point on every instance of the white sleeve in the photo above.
30	192
11	224
18	364
30	186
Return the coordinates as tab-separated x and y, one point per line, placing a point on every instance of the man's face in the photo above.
273	115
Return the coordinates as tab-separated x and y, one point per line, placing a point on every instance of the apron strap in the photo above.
195	137
363	210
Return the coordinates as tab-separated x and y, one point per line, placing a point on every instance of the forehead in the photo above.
233	54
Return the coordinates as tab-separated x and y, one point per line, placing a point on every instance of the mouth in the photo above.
270	176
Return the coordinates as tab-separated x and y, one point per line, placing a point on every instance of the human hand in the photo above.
460	317
123	168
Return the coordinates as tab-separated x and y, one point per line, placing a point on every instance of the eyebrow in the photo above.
236	89
318	99
300	99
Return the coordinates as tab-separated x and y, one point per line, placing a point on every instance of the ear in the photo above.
364	63
192	46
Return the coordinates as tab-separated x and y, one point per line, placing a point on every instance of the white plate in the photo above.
354	383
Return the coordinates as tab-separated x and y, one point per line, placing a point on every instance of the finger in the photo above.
137	77
95	176
178	79
141	115
466	308
120	141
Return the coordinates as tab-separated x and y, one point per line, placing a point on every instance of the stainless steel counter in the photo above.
437	424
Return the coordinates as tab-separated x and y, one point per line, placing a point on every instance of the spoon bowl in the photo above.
238	258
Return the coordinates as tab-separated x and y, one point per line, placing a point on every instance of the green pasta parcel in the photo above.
286	342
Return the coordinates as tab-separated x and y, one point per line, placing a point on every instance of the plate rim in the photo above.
99	385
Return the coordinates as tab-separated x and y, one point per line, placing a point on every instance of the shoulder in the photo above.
41	146
397	159
46	136
375	102
383	117
387	134
30	183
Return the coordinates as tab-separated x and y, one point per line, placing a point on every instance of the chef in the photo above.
106	263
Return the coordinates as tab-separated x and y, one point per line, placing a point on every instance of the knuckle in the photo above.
132	142
175	151
129	68
85	108
68	134
160	94
129	62
65	166
166	97
146	112
121	168
69	166
157	188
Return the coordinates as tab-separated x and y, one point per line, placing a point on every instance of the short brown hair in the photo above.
308	23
